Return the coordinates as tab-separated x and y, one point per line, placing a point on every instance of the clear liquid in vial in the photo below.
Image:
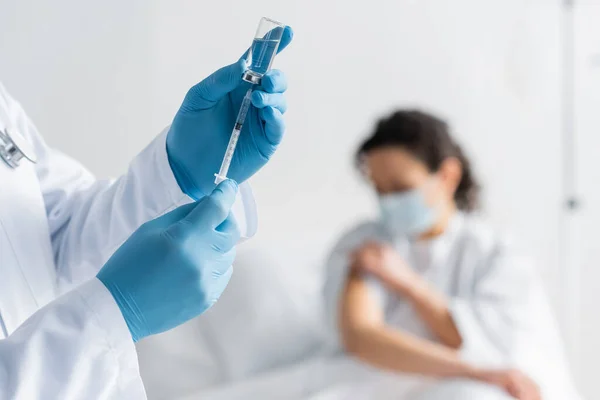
261	54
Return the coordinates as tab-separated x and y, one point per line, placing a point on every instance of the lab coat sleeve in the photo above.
76	347
88	218
495	319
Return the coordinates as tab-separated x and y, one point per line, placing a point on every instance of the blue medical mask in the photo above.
407	213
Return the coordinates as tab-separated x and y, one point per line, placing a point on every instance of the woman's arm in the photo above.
385	264
366	335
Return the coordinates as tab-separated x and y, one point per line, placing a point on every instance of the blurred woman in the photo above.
429	289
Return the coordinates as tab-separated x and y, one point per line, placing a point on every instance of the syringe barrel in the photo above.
235	134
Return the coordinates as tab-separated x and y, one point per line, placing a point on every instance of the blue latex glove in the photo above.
200	131
175	267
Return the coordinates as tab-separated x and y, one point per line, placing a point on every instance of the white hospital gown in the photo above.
495	297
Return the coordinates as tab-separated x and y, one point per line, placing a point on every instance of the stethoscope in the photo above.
13	148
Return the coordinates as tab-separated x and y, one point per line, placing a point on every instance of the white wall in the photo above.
585	242
115	72
101	78
81	70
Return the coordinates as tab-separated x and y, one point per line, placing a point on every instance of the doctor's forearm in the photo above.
399	352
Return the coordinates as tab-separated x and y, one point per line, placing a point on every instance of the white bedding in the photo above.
342	378
333	378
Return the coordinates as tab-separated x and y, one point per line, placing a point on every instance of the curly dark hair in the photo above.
428	139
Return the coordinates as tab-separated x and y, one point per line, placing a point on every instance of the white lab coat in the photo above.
496	299
58	225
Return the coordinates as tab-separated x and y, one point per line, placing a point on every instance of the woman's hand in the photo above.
384	263
514	382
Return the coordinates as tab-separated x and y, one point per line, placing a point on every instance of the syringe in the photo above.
260	57
235	135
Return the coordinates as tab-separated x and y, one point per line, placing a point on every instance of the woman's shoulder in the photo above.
359	233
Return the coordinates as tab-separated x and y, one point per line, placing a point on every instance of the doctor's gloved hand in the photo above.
175	267
201	129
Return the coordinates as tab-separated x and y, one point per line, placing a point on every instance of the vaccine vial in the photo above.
263	49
